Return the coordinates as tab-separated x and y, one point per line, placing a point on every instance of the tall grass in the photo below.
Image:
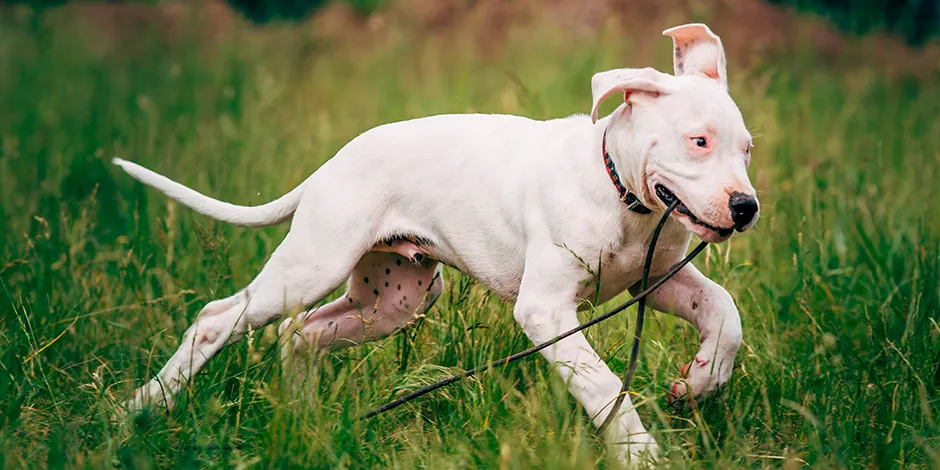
99	276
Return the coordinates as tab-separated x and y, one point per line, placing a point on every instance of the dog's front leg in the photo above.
546	307
709	307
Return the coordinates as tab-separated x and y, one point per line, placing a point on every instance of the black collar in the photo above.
633	203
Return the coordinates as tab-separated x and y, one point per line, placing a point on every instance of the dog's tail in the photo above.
274	212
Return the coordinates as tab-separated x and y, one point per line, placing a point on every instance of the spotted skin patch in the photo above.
368	313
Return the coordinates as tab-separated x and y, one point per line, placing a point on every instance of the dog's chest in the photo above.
622	266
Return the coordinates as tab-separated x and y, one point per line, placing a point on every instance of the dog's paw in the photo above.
636	451
150	396
698	380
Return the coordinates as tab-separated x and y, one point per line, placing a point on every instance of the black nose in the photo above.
743	209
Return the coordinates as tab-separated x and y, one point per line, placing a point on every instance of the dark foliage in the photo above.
916	20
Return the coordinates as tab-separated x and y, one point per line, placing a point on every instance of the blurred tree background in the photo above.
916	20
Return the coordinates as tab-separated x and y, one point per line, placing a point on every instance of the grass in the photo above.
99	276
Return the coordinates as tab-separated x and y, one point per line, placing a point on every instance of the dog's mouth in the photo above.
668	197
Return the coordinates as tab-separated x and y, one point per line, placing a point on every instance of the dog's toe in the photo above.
679	389
698	380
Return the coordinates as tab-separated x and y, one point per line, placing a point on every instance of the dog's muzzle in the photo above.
668	197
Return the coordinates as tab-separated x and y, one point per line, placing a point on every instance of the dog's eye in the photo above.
700	141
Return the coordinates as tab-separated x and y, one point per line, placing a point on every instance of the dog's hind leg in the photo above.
307	266
384	293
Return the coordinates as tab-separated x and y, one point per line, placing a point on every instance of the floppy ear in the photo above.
697	50
627	81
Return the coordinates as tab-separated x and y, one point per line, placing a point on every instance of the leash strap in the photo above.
640	316
528	352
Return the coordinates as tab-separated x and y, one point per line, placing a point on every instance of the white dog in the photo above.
503	199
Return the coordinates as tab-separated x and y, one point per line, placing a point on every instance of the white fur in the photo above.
504	199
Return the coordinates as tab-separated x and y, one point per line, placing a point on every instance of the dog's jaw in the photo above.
695	225
705	234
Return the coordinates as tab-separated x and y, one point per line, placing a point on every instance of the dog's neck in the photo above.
621	171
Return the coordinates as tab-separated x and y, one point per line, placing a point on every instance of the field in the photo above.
99	276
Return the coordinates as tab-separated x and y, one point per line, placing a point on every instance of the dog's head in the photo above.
685	136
